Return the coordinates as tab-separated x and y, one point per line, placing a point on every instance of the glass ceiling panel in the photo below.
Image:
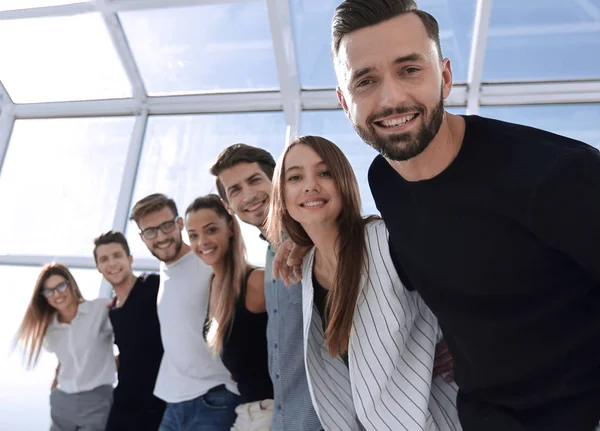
218	47
311	21
60	184
60	59
28	4
543	40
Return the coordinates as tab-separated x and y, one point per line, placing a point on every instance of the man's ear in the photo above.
228	207
342	101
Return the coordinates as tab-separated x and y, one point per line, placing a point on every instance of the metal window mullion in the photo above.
285	57
83	262
47	11
119	40
7	121
112	6
182	104
480	32
132	162
86	262
124	5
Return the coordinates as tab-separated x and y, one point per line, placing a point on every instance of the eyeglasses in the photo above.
61	287
165	227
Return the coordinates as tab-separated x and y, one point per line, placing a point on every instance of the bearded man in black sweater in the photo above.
496	225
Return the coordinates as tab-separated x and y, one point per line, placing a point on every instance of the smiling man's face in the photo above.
392	85
248	191
113	263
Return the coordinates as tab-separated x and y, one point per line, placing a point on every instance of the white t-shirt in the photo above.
84	348
188	368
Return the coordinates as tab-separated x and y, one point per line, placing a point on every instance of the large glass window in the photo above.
581	122
179	151
311	21
60	184
543	40
25	394
60	58
219	47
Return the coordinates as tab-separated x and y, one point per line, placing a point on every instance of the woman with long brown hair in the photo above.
369	342
79	333
236	321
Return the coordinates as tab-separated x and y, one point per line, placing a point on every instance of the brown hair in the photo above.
235	270
40	313
352	15
110	237
241	153
152	203
351	246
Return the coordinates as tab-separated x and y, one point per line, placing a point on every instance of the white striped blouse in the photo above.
388	383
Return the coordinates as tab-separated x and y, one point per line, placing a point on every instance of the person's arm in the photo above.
565	211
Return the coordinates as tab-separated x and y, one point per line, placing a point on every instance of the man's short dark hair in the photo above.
152	203
110	237
241	153
352	15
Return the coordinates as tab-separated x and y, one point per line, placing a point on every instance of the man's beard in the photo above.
178	245
403	146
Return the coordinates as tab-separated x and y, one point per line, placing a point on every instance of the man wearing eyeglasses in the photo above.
194	383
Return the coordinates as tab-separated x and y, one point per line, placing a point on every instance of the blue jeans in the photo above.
213	411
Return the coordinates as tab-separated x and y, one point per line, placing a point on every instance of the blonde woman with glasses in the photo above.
79	333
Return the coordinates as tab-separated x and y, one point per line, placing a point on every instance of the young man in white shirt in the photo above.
195	384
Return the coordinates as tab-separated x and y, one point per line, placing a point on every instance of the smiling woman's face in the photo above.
311	195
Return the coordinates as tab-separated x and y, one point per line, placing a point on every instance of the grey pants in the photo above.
81	411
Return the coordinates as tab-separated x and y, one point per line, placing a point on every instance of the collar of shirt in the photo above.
83	308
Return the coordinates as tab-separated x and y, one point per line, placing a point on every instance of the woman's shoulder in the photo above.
374	226
97	305
256	277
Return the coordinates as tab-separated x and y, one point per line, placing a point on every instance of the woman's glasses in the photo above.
61	287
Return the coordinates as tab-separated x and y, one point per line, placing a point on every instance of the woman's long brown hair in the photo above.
351	245
236	268
40	313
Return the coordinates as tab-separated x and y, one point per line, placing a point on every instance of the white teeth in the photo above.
313	203
398	121
254	207
210	250
163	245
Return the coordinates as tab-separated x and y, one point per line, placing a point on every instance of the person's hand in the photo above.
287	263
443	364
